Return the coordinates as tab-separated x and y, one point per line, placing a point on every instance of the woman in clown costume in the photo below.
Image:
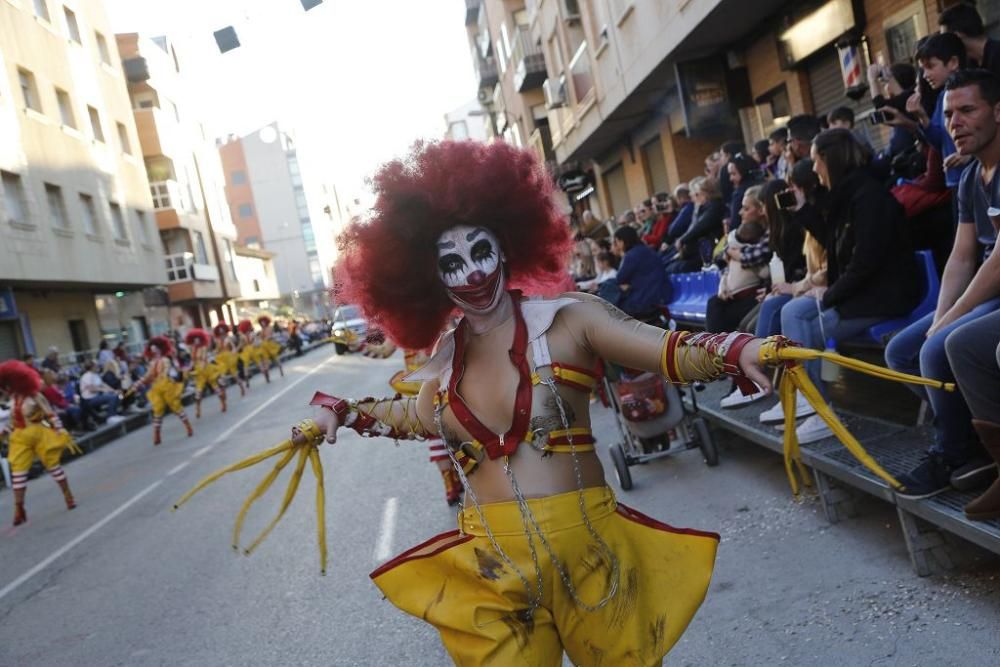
268	349
206	374
545	560
37	433
225	355
164	391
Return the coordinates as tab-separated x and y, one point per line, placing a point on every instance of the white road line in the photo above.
383	548
177	468
12	586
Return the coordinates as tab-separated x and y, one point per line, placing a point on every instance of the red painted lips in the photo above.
481	295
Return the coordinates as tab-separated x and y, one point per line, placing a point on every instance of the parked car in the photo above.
349	328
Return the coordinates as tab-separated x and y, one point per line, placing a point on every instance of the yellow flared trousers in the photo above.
458	583
36	441
165	394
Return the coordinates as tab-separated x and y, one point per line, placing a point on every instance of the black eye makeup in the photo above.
451	264
482	251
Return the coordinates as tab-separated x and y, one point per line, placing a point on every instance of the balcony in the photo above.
187	279
170	204
486	71
158	132
472	9
529	61
580	75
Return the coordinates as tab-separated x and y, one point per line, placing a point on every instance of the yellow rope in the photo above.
317	467
293	486
262	488
240	465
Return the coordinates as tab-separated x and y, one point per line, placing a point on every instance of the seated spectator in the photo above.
965	22
744	173
939	57
892	86
582	263
51	360
95	393
640	275
707	226
802	129
871	270
775	164
121	354
664	207
71	415
111	373
680	222
104	354
727	152
605	271
645	216
970	288
840	118
29	359
760	153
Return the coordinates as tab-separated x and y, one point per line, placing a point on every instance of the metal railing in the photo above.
168	194
181	267
528	59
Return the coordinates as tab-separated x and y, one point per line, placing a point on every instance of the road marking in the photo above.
383	548
177	468
12	586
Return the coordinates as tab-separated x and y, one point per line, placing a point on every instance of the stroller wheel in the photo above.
705	442
621	467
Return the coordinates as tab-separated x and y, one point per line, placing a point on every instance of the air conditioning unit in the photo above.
484	96
555	92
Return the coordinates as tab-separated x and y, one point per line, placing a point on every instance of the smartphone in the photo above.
877	117
786	200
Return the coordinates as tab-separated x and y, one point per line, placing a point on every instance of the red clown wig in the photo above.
389	262
220	329
19	379
198	337
245	327
161	343
264	320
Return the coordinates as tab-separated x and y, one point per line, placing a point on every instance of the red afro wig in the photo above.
389	262
245	326
18	378
264	320
220	329
197	337
162	343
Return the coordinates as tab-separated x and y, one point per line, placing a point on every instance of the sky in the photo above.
357	80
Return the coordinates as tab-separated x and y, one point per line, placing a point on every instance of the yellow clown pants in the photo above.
270	350
458	583
165	394
227	363
36	441
205	375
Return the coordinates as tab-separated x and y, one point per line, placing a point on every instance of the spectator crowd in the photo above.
814	234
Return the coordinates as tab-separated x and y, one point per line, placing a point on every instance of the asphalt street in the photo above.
122	580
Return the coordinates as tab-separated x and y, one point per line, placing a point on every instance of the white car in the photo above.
349	318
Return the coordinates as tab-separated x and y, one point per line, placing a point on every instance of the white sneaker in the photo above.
776	414
812	429
736	399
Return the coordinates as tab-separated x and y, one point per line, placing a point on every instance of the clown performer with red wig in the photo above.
204	372
246	350
37	434
226	358
164	391
268	349
545	559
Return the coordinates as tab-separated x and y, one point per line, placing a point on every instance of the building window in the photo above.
238	177
65	108
102	48
459	130
316	272
123	138
246	211
13	197
42	9
142	227
72	27
200	251
95	124
256	285
57	207
118	222
29	93
251	242
309	237
89	214
231	259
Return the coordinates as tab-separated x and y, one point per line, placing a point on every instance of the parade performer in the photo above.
203	370
164	391
545	559
245	347
225	355
37	433
268	349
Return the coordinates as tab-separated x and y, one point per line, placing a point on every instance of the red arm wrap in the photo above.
364	423
726	347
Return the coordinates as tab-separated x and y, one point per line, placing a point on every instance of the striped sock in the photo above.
57	473
19	480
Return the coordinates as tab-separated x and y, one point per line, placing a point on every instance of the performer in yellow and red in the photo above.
545	560
246	349
203	370
268	349
164	391
225	355
37	434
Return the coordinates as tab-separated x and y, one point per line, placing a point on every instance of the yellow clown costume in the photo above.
164	392
37	434
226	358
267	350
204	372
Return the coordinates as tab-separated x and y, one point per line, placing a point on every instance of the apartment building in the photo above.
186	185
276	209
468	121
638	92
78	247
258	281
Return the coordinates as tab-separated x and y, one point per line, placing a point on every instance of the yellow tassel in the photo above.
258	492
317	467
293	486
245	463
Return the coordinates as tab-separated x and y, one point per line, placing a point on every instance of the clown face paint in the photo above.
470	264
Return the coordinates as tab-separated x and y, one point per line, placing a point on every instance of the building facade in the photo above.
639	92
268	200
186	185
79	251
258	282
468	121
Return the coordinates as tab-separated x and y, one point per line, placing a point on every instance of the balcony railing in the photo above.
486	71
583	80
168	194
181	267
529	61
472	11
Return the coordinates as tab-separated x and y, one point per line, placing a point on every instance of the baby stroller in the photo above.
653	421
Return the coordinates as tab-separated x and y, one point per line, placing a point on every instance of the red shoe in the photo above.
20	516
156	437
190	430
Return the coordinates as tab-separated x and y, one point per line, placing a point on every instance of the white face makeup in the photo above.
470	264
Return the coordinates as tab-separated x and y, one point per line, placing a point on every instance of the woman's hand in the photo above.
816	292
783	288
761	295
328	423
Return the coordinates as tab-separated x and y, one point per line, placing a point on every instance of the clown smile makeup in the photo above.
470	266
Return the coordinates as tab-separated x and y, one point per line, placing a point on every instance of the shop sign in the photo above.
705	99
809	33
574	181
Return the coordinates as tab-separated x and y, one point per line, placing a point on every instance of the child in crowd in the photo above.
737	280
